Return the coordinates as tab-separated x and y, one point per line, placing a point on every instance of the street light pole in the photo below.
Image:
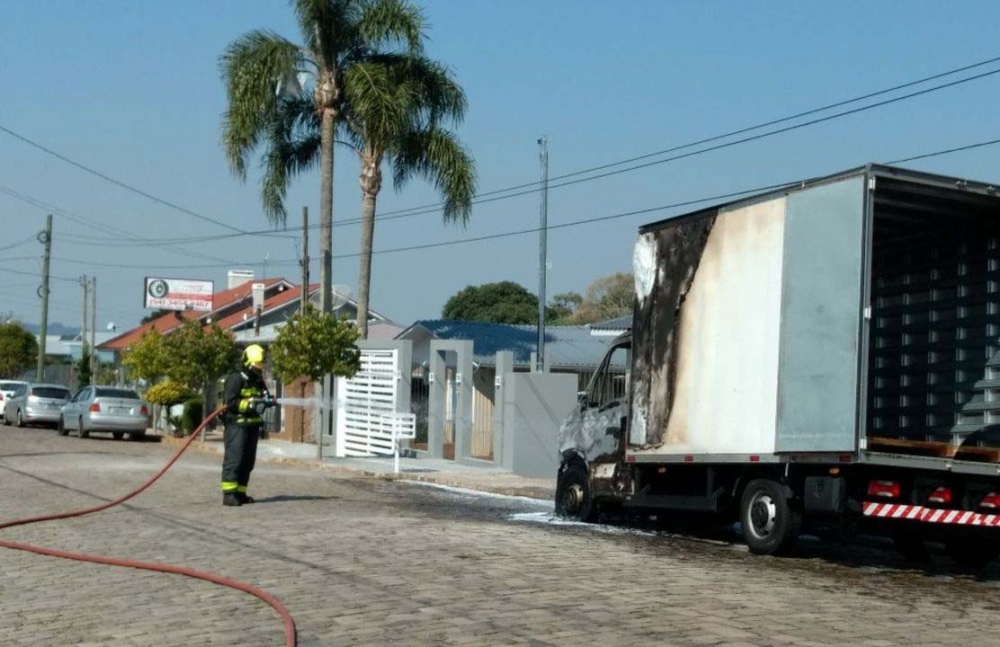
543	251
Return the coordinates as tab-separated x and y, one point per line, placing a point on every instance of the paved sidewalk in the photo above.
474	475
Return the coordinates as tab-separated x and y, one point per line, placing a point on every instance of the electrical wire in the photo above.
483	197
725	135
573	223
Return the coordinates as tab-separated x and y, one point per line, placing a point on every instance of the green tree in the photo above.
606	298
146	359
562	306
394	109
84	376
312	345
18	350
503	302
336	36
195	357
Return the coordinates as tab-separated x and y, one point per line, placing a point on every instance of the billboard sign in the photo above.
179	294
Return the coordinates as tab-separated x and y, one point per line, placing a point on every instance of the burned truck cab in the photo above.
592	438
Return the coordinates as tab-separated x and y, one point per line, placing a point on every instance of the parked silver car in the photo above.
7	389
108	409
36	404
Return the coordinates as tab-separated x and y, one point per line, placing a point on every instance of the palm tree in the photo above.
394	112
337	35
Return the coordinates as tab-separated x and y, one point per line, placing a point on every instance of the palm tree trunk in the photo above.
365	270
326	213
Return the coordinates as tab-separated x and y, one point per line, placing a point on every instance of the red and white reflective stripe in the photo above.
929	515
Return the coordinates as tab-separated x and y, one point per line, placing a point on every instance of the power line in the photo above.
726	135
118	183
944	152
431	208
122	233
574	223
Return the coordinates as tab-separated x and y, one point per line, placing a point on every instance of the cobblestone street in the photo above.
370	562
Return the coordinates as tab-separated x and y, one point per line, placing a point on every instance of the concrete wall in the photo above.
535	404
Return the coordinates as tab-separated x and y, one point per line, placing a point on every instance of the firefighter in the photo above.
246	397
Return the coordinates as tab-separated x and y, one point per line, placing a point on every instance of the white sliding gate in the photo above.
368	422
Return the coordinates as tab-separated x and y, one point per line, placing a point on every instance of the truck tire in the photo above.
911	547
972	553
770	525
573	500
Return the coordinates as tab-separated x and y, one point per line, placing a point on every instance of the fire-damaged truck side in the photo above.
825	353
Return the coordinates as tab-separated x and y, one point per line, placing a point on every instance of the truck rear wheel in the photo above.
573	500
770	525
972	553
911	547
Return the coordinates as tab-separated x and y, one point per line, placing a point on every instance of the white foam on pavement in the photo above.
480	493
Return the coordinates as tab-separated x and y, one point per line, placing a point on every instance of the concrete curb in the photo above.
442	479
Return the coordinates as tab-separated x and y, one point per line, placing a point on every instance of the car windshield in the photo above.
128	394
9	386
50	392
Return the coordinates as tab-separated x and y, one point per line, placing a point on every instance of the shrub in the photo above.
194	413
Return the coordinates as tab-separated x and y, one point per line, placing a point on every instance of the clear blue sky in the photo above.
132	89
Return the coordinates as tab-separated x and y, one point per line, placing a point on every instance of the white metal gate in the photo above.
367	404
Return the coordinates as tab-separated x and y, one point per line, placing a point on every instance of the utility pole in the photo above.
85	284
44	238
543	251
305	259
93	330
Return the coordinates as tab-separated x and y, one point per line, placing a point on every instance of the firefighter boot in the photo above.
231	499
244	499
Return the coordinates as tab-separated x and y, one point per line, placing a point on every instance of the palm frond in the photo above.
436	155
251	67
391	23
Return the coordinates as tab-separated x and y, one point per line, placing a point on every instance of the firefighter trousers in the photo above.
240	442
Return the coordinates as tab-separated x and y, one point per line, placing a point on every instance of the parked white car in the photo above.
7	390
107	409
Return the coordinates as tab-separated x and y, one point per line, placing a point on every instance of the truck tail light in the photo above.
884	489
144	411
941	496
95	408
991	501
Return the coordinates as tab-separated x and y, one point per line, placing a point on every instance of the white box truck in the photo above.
824	353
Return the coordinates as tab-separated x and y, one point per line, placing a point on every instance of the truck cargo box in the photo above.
856	314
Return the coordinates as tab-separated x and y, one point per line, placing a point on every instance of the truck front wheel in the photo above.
573	499
770	525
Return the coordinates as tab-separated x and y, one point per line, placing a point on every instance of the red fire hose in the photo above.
291	639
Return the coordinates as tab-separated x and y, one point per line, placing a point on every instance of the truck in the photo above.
825	353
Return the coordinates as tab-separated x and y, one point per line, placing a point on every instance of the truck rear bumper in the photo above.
937	516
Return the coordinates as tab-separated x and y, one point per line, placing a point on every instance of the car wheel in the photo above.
770	525
61	427
20	420
137	436
83	433
573	499
118	435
